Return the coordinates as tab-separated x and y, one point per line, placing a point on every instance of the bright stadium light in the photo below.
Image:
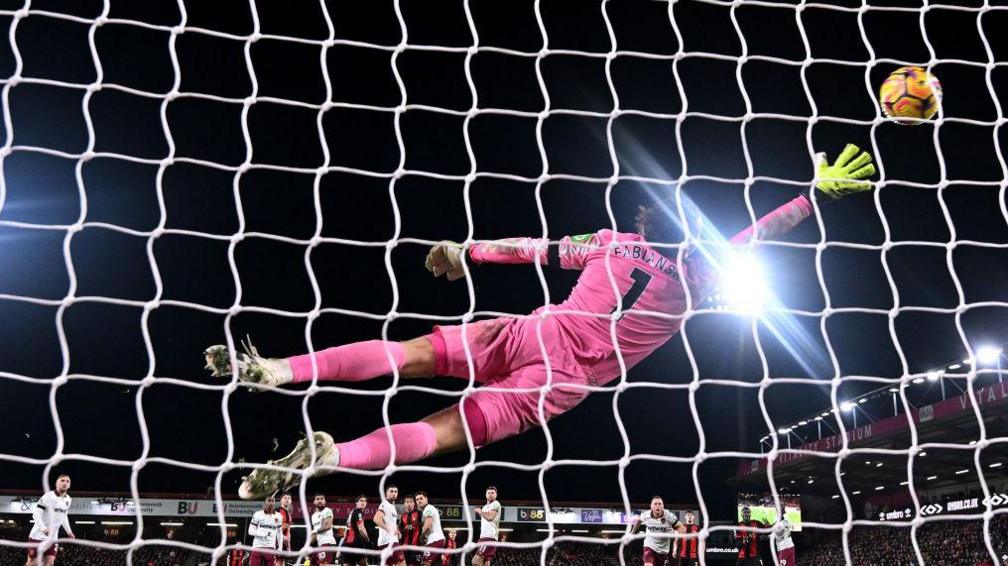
743	287
847	406
919	380
863	400
988	355
782	431
934	375
802	423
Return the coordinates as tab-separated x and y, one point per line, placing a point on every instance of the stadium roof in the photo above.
947	438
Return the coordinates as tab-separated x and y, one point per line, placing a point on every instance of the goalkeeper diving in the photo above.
655	286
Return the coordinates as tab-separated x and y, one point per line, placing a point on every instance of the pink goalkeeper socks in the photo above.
353	362
413	441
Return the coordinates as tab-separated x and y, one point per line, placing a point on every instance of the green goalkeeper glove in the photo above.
446	259
845	176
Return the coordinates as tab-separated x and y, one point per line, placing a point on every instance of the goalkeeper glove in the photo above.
446	259
845	176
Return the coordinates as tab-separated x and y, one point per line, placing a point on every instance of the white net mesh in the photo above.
669	119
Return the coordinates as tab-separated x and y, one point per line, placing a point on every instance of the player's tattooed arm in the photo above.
571	252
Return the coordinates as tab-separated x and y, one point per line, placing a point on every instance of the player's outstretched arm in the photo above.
570	252
846	176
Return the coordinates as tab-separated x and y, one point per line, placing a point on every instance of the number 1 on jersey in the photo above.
641	279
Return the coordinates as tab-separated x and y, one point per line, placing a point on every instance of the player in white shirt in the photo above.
51	512
267	529
387	521
489	516
322	532
657	522
431	532
781	540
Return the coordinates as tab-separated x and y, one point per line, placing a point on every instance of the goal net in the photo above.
179	174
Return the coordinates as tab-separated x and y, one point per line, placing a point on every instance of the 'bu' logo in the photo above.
187	507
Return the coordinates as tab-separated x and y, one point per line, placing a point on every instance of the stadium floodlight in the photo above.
836	497
955	366
743	286
858	492
879	465
847	406
893	390
961	472
818	418
929	478
802	423
783	431
826	414
988	355
904	483
919	380
879	487
996	465
863	400
934	375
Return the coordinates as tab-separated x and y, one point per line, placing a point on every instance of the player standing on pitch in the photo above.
356	536
51	512
450	544
505	352
322	532
286	511
410	529
783	545
687	551
386	519
489	516
658	521
748	538
266	529
432	535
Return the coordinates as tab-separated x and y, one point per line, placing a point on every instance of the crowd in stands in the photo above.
76	555
942	543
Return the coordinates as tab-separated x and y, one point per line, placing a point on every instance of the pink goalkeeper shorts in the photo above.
506	356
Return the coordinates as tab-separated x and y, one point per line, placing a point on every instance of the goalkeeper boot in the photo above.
265	482
252	368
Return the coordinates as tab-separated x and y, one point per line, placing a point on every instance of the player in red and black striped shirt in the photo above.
410	528
749	554
687	549
286	511
450	544
355	536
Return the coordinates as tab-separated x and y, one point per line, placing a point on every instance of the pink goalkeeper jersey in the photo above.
653	287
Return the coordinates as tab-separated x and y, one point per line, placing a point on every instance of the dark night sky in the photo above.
187	424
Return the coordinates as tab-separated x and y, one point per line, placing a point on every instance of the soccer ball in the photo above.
910	92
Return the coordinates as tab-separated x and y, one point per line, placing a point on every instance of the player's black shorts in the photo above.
413	557
748	562
349	552
687	562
